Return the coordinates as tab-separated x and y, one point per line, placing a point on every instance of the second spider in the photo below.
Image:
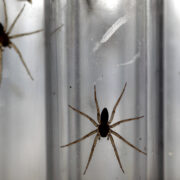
6	38
104	128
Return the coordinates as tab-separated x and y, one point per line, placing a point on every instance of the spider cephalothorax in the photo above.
6	38
104	128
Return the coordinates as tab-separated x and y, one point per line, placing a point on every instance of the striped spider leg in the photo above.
104	128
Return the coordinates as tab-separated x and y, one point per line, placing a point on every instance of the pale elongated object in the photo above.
109	33
131	61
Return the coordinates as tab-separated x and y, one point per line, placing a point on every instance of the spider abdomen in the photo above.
4	40
103	130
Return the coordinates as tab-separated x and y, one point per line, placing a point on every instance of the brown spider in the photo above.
5	38
104	129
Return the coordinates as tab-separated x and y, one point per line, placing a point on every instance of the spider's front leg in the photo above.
15	20
115	151
97	105
117	102
92	151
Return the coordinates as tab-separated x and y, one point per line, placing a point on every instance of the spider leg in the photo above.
116	152
30	1
5	16
21	58
125	120
97	106
78	140
58	28
0	65
15	20
92	150
92	120
25	34
115	106
120	137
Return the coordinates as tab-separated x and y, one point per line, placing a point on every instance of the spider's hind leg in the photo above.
21	58
128	143
116	152
92	150
85	115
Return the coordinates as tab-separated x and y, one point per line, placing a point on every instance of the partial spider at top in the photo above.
6	38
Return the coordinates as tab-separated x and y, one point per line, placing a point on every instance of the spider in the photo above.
5	38
104	128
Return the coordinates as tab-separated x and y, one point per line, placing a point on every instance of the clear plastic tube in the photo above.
104	45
